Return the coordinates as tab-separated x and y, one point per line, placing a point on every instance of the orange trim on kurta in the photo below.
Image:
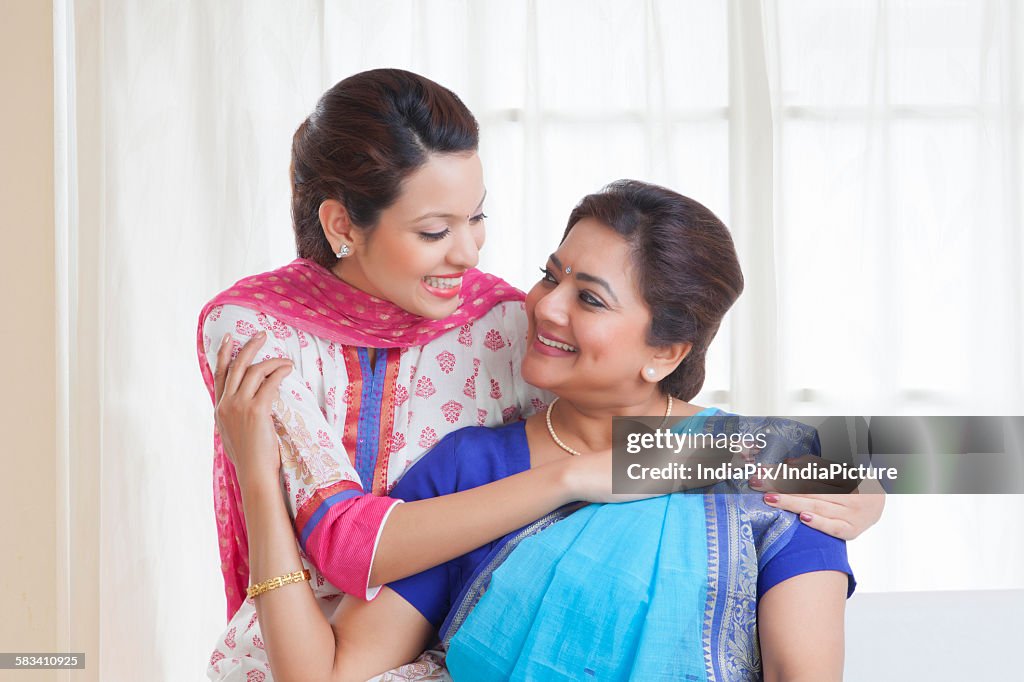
387	421
310	506
350	432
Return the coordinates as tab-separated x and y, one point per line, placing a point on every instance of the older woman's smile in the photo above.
550	345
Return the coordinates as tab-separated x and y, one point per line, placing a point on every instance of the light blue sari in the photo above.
659	589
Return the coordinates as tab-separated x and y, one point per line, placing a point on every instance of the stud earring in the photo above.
568	269
343	251
650	372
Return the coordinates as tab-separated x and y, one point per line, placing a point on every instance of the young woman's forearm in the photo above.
422	534
300	642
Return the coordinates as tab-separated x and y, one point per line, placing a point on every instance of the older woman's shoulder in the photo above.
464	459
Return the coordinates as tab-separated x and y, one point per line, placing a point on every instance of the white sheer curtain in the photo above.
867	156
898	243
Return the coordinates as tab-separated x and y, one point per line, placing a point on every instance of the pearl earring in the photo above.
650	372
343	251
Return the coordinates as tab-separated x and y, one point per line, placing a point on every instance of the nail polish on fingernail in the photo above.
806	517
225	339
771	499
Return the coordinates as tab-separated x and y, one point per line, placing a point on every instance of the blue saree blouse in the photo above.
658	589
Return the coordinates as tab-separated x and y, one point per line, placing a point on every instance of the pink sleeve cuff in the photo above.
371	592
344	540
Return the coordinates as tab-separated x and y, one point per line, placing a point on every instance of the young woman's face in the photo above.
425	240
587	320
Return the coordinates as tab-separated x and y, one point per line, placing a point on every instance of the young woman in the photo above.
395	340
692	586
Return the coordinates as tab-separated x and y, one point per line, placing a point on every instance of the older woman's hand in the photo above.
245	394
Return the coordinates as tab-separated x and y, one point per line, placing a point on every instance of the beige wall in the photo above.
28	413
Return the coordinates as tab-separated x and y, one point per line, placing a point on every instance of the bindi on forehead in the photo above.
449	215
585	277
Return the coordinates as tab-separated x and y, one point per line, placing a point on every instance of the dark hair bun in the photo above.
367	134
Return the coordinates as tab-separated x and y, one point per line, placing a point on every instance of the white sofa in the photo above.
935	636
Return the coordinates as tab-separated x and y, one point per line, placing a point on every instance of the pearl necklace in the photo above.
576	453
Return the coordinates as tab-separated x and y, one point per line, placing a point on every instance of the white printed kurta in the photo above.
348	429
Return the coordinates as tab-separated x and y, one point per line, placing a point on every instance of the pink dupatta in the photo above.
311	298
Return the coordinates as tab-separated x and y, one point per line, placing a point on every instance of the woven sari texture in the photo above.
659	589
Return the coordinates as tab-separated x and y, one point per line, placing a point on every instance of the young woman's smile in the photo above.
444	286
425	241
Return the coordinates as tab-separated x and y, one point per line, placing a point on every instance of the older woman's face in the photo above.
587	320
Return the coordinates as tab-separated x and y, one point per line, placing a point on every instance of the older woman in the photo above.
679	587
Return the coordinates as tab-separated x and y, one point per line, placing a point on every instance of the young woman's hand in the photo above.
589	479
590	476
844	515
245	394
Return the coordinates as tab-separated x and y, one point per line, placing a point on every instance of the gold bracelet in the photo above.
274	583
